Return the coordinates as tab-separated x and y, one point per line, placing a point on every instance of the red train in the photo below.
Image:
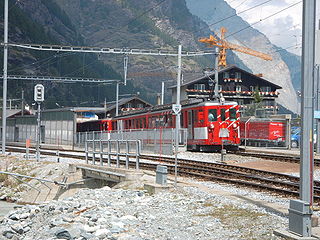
210	125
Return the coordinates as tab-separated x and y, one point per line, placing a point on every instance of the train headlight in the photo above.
235	125
211	126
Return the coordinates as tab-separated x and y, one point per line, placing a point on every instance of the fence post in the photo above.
138	143
109	153
118	151
127	154
86	148
101	152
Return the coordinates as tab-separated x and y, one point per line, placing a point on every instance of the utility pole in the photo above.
162	93
216	73
177	110
300	211
22	102
5	74
317	86
117	98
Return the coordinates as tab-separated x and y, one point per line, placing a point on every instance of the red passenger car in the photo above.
210	125
95	125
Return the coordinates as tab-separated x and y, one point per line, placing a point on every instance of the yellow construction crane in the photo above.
224	45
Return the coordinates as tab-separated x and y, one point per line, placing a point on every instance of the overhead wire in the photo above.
233	15
250	25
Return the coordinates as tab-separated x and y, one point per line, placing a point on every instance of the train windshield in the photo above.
223	114
212	115
233	114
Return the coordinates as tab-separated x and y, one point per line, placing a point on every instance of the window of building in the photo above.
219	88
238	88
266	89
200	87
139	105
225	74
129	105
238	75
252	88
240	102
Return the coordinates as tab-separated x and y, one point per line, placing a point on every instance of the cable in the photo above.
240	4
236	14
250	25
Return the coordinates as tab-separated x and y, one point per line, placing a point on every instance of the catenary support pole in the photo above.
216	73
38	133
177	118
306	148
117	99
317	84
162	93
5	74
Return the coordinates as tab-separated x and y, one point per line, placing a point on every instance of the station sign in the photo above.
176	108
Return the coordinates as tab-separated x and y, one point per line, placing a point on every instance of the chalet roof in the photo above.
199	77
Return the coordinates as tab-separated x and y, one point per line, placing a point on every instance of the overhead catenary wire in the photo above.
234	15
250	25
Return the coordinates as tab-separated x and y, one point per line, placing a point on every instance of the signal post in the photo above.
38	98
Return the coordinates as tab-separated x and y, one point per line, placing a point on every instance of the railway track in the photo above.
276	157
282	184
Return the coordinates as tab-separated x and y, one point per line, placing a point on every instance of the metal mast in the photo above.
5	73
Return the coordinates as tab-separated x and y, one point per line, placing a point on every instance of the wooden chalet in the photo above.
235	84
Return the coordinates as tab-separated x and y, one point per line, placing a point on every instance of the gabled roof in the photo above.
110	106
188	82
16	112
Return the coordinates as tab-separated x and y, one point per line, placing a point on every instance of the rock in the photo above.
8	233
90	229
102	233
14	216
17	228
24	215
86	236
63	234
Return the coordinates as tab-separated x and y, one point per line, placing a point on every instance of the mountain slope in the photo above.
215	13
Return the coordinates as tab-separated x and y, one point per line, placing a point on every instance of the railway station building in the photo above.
235	84
59	126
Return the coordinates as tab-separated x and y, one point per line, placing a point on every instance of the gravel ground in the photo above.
184	213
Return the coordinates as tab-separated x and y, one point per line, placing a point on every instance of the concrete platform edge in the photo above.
288	235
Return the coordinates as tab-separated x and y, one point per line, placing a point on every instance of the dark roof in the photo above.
189	81
109	107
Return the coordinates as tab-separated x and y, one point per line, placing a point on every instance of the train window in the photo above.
233	114
200	116
223	114
212	115
195	116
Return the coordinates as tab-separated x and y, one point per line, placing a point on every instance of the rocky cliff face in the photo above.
276	71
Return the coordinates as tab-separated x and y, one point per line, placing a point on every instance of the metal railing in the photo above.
118	148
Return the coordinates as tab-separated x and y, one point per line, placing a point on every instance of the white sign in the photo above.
317	46
176	108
